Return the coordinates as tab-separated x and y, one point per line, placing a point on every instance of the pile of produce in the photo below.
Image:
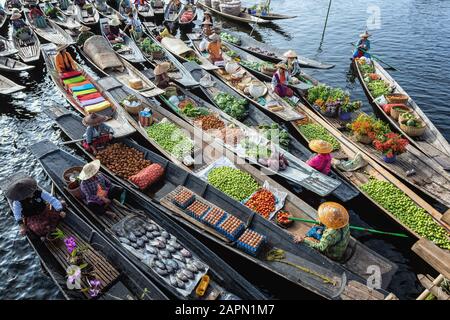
378	88
148	46
366	68
401	206
252	65
282	219
410	120
193	57
122	160
250	241
276	133
365	125
236	108
171	138
229	38
233	182
262	202
329	100
209	122
314	131
265	155
262	51
230	135
189	109
391	144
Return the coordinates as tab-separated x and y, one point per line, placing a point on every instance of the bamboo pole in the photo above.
426	292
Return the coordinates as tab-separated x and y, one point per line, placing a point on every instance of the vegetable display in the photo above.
209	122
236	108
401	206
275	133
378	88
229	38
148	46
314	131
192	111
368	125
193	57
410	120
262	202
233	182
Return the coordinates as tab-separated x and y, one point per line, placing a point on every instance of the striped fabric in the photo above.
83	87
83	92
91	102
74	80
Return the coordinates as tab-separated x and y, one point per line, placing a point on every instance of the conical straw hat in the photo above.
333	215
320	146
89	170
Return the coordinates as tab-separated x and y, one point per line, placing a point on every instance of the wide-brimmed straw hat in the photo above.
115	22
89	170
290	54
281	65
94	119
333	215
320	146
19	186
162	68
365	35
84	29
214	37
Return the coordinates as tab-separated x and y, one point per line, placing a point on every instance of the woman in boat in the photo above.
64	61
34	209
207	17
17	21
37	16
363	46
97	190
322	160
280	81
135	25
334	236
85	33
97	134
292	63
113	31
207	29
162	79
214	49
125	8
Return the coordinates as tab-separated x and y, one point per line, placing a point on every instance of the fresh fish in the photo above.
161	272
124	240
156	233
149	235
150	227
134	245
144	238
200	266
170	248
185	253
180	283
182	276
140	243
169	269
138	233
162	239
178	257
157	244
132	237
151	249
121	233
165	234
158	264
191	268
173	281
172	263
187	273
175	244
165	254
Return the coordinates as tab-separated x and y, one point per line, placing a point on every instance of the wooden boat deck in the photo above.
8	86
243	17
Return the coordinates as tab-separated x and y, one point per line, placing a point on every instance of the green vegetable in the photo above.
366	68
256	151
192	111
235	183
378	88
194	59
401	206
314	131
229	38
236	108
276	133
148	46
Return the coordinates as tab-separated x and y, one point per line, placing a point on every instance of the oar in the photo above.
72	141
402	235
376	58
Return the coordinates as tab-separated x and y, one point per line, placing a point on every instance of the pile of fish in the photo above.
161	251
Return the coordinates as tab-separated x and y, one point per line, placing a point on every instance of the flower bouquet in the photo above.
366	128
391	145
346	110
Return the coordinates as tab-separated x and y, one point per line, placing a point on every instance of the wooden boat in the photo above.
187	23
130	50
8	7
71	9
28	50
9	47
158	10
85	18
108	12
268	15
107	107
134	213
146	11
119	278
8	86
177	72
267	52
431	143
99	53
243	17
62	19
11	65
3	19
171	14
51	33
319	274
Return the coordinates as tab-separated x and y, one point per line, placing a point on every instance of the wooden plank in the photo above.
446	217
438	258
433	288
425	293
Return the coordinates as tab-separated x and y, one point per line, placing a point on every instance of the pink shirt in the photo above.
321	162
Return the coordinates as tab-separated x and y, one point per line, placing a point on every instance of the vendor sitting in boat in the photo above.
207	29
97	190
37	16
64	61
85	33
97	134
34	209
363	46
207	17
162	79
280	81
125	7
322	160
113	31
17	21
214	49
135	25
292	63
334	235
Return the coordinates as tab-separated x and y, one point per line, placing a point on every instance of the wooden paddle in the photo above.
402	235
72	141
372	56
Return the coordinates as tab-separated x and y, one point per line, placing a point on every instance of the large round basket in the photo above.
395	113
157	55
133	109
397	98
71	172
365	139
412	131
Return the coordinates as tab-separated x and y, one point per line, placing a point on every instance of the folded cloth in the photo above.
98	107
80	93
83	87
86	103
74	80
89	96
70	74
70	85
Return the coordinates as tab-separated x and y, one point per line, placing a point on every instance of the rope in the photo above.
279	255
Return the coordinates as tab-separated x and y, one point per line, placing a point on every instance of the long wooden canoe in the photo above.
187	23
114	111
432	143
268	15
8	86
107	11
267	52
100	54
85	18
51	33
9	47
62	19
135	213
28	50
176	72
119	278
171	13
243	16
145	11
318	274
12	65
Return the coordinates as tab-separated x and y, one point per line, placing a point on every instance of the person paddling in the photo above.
280	81
97	132
322	160
363	46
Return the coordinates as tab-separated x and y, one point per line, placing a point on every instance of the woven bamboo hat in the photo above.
94	119
84	29
19	186
290	54
214	37
162	68
333	215
365	35
89	170
115	22
320	146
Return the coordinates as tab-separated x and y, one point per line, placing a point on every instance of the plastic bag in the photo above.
206	81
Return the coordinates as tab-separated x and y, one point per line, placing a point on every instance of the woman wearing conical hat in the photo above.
363	46
162	79
85	33
113	31
97	132
292	63
322	160
280	81
334	238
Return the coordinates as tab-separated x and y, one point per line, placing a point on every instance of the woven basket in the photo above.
395	114
72	170
134	110
412	131
397	98
365	139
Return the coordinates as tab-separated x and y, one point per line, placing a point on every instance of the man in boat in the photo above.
363	46
280	81
162	79
322	160
336	234
125	8
97	134
135	25
17	21
37	16
34	209
113	31
85	33
64	61
97	190
214	49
